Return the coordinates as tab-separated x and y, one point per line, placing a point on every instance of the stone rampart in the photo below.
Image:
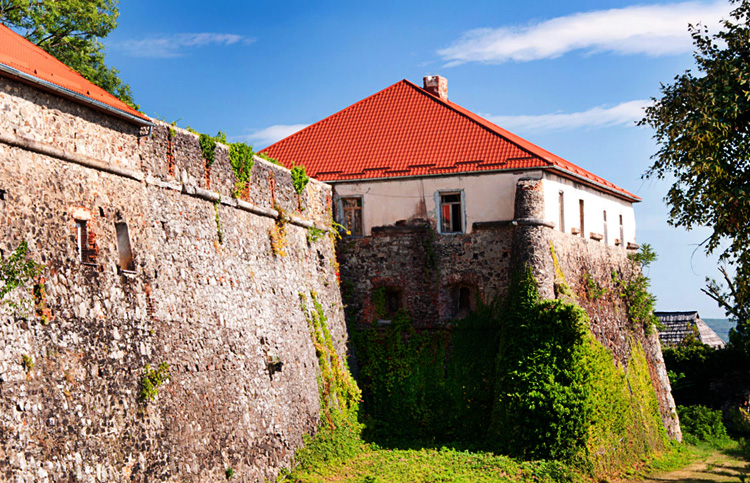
202	291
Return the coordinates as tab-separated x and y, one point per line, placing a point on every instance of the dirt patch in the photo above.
716	466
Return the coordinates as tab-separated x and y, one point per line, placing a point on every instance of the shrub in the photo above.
152	379
700	423
299	178
241	159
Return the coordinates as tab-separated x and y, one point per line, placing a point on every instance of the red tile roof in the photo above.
404	130
34	64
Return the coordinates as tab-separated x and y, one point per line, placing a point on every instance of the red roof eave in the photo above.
28	63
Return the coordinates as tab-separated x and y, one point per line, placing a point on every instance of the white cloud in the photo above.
623	114
269	135
653	30
175	45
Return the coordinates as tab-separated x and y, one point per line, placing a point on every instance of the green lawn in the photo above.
379	465
683	463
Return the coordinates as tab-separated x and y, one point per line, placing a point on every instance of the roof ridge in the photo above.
462	111
553	160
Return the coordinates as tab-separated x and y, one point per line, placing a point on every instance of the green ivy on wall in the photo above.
241	160
525	378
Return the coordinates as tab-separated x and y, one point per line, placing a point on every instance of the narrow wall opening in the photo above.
562	211
86	243
580	215
123	248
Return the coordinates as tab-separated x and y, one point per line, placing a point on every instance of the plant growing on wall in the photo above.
277	233
634	292
208	148
241	160
559	394
299	178
269	159
219	226
15	271
152	379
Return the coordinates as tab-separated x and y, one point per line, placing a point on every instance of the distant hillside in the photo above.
721	327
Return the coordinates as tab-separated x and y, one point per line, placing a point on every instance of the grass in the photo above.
702	462
379	465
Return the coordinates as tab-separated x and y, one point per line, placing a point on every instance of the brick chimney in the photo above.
437	85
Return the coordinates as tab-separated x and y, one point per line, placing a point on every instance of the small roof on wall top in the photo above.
23	60
676	326
406	131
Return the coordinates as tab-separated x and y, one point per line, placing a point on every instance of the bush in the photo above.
700	423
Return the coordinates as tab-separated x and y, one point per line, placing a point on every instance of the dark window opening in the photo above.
123	248
622	233
462	300
352	215
388	306
580	214
451	219
392	301
85	239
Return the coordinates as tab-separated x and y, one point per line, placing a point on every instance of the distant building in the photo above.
678	326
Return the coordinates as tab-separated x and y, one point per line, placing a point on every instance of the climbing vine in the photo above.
299	178
269	159
277	233
559	394
241	160
639	302
153	379
219	225
15	272
208	148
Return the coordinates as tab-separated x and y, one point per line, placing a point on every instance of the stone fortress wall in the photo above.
426	272
204	292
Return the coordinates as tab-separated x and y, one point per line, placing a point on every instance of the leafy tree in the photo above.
70	30
702	124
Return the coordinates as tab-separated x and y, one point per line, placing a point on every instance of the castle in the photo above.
151	256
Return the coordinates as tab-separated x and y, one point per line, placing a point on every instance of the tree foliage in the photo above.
702	127
70	30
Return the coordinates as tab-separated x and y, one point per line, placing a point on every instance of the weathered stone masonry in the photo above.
221	311
425	269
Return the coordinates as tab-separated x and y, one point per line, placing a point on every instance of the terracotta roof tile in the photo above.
21	55
404	130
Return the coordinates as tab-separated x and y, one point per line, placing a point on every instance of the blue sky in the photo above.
570	76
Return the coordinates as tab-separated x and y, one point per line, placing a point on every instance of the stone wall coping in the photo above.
77	158
185	188
399	229
495	225
532	222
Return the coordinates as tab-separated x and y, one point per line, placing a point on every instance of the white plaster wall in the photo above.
594	203
487	197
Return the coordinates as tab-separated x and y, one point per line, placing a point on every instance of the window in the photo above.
387	302
123	248
392	301
462	299
606	235
86	244
580	214
451	219
562	211
351	215
622	234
